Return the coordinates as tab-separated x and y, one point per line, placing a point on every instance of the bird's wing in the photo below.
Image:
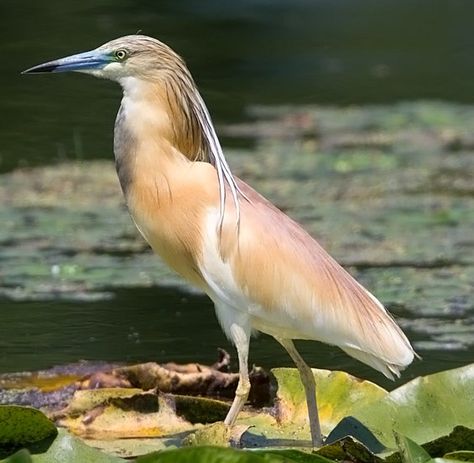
291	283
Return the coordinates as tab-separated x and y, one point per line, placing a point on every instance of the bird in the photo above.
262	270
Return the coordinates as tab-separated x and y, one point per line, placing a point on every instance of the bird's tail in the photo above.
363	327
384	347
388	369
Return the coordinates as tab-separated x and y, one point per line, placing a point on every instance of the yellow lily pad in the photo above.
339	394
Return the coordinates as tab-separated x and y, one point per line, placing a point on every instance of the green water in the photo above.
75	281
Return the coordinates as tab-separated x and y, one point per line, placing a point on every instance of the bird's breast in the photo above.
169	207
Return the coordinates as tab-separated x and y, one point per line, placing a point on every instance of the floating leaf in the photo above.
64	448
424	409
113	413
122	415
226	455
22	456
216	434
20	426
70	449
339	395
88	399
135	447
460	455
410	451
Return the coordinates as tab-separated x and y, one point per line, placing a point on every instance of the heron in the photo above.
262	270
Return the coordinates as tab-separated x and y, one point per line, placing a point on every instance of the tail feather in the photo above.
366	329
379	343
387	369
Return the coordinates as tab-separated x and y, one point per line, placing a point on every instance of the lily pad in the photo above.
22	456
339	394
64	448
460	455
88	399
67	448
218	434
424	409
226	455
410	451
138	414
20	426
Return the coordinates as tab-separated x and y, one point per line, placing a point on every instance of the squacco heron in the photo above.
260	268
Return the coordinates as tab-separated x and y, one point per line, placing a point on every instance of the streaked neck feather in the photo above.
192	129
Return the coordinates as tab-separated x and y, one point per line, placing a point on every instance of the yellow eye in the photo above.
120	54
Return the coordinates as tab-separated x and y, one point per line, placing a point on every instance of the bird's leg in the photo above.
241	337
307	378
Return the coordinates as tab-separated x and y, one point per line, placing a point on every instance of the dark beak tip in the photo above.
40	69
27	71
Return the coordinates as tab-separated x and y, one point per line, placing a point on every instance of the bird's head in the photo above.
138	60
136	56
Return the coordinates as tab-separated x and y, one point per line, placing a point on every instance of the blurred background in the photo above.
241	53
79	284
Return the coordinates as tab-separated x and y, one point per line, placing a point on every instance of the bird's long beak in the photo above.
82	62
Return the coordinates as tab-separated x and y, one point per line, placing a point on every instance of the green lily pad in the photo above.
22	456
460	455
67	448
226	455
424	409
410	451
20	426
64	448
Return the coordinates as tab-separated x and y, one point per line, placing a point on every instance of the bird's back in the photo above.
292	288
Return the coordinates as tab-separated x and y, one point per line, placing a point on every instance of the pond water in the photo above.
241	53
245	53
162	324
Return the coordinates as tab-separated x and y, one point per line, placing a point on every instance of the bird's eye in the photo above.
120	54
